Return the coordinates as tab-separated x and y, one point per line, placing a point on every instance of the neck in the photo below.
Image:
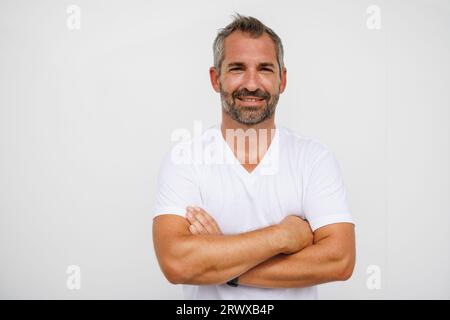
249	152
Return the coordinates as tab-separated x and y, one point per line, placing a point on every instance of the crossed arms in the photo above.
284	255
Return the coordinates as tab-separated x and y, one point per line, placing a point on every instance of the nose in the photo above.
251	82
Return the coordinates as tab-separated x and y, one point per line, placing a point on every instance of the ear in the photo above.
214	77
283	80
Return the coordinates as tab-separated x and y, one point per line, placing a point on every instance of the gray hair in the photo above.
248	25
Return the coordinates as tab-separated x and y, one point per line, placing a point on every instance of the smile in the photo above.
250	99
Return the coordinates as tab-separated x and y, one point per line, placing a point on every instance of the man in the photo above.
265	218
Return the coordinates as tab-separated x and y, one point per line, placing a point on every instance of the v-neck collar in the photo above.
235	163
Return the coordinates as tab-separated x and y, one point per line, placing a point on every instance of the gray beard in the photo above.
248	115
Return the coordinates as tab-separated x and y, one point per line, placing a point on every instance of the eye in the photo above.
235	69
267	69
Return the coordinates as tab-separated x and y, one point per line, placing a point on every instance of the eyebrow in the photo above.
235	64
267	64
241	64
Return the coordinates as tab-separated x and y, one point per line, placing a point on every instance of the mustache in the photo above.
246	93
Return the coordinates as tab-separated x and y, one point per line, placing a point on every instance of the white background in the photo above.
86	115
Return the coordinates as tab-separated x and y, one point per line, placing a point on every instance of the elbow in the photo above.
175	273
345	268
179	273
174	278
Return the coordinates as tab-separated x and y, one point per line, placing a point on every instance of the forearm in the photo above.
316	264
215	259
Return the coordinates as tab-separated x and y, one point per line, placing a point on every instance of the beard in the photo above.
248	115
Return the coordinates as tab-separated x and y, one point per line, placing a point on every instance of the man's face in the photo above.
249	82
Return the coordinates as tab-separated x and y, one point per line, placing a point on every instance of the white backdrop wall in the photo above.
86	115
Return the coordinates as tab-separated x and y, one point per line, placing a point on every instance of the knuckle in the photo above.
197	225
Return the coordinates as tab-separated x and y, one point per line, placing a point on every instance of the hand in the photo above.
297	233
201	222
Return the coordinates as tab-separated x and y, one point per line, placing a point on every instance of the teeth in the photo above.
250	100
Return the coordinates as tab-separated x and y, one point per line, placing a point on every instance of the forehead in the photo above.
242	47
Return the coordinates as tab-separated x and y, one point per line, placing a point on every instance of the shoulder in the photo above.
307	147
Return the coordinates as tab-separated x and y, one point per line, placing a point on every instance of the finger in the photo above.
206	220
190	215
209	219
200	215
193	229
200	228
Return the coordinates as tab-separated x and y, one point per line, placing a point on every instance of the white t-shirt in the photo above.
297	175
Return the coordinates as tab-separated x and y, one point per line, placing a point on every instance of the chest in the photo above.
241	203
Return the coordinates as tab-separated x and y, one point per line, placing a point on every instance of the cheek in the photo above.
274	89
232	82
268	84
230	86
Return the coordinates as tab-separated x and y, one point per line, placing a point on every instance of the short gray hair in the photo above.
248	25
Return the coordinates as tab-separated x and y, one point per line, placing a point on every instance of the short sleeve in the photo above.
325	197
177	187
